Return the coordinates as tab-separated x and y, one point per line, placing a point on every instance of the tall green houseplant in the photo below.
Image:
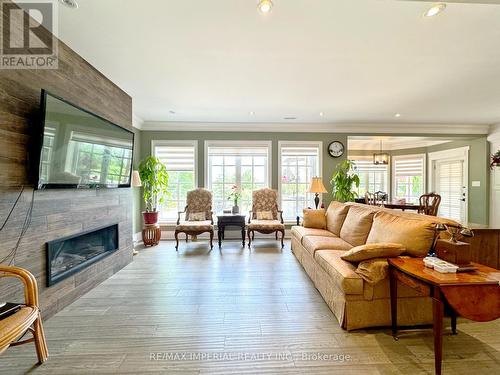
154	178
343	180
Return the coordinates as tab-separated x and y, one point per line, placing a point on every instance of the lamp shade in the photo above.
317	186
136	179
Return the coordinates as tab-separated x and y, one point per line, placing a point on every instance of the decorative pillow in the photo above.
374	250
335	216
264	215
314	219
197	216
373	270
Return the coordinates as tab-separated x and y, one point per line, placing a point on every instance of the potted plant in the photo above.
235	197
154	177
495	159
343	180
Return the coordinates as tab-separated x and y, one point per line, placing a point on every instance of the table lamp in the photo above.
318	188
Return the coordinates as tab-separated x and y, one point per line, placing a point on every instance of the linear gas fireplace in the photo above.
69	255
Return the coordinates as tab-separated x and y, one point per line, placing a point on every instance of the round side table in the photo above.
151	234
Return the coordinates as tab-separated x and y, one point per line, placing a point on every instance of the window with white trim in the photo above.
408	177
372	177
179	158
245	165
299	163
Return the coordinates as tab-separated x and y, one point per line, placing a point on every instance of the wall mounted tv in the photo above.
80	149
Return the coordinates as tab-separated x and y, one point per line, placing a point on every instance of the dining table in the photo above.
402	206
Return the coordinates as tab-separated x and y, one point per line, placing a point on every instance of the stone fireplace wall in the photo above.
57	213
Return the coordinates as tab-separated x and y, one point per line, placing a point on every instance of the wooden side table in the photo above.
151	234
230	220
474	295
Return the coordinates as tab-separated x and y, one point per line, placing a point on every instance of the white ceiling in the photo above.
392	143
357	61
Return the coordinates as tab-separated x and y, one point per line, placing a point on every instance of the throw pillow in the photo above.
197	216
373	270
264	215
314	219
373	250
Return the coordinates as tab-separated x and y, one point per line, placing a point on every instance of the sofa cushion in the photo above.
357	225
315	243
373	250
342	272
335	216
373	270
416	235
314	218
300	232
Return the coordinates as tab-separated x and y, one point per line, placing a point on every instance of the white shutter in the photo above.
450	180
238	151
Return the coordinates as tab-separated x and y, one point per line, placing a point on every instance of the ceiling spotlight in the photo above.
435	10
321	114
397	115
69	3
251	113
265	6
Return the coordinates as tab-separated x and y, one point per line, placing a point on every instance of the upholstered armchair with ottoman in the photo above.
265	216
198	216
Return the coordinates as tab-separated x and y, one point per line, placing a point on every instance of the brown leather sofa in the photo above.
355	302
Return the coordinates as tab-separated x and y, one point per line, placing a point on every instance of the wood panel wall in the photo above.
57	213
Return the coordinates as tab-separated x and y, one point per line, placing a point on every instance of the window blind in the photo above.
176	158
408	166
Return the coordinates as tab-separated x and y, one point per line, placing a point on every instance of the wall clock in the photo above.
336	149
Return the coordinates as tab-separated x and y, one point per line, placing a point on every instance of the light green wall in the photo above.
478	159
329	163
478	198
137	192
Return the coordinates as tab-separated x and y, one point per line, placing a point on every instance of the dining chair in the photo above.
429	204
370	198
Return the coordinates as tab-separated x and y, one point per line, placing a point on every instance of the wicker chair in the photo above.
429	204
199	203
28	318
265	202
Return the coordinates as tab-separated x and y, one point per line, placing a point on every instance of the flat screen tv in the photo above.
80	149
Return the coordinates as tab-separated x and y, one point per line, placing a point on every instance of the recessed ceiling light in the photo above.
321	114
435	10
69	3
265	6
251	113
397	115
289	118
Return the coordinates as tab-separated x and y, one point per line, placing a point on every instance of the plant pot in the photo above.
236	210
150	217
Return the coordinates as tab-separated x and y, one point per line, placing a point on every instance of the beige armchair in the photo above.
28	318
265	216
198	216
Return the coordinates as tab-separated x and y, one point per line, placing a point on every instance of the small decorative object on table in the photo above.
151	235
235	197
452	250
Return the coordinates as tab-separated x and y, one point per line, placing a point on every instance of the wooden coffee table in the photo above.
473	295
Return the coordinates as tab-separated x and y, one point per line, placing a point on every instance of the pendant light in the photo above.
381	158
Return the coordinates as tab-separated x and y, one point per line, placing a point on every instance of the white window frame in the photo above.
173	143
236	144
282	144
393	171
388	174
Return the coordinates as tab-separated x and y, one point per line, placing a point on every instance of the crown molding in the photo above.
494	133
399	128
137	122
459	1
